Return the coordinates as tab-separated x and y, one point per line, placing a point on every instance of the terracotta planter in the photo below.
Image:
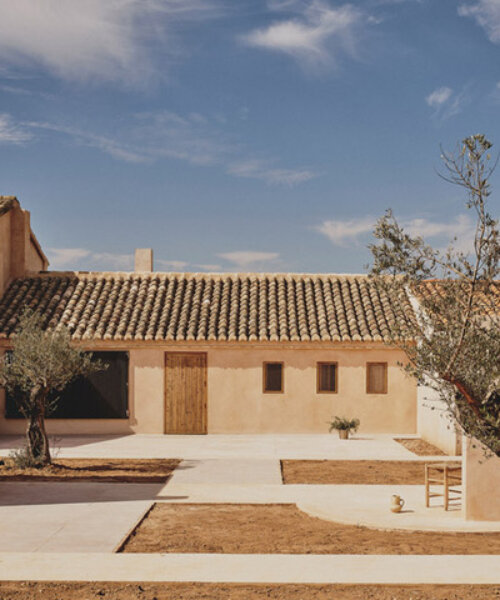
344	434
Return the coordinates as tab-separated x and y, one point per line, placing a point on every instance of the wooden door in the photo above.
185	392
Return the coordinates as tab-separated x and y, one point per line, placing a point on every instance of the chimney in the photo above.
143	259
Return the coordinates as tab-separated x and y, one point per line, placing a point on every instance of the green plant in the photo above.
344	424
22	458
43	361
452	344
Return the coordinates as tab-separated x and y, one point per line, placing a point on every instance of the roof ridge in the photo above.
201	274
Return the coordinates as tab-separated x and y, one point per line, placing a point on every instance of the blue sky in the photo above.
244	135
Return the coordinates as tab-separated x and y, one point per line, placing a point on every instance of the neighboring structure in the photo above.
217	353
20	252
434	423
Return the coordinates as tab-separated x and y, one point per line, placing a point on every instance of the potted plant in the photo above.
344	426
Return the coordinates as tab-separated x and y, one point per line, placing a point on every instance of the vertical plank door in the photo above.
186	392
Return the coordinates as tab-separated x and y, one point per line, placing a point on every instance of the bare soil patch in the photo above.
376	472
284	529
94	469
235	591
420	447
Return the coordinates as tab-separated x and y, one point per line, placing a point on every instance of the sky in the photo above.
247	135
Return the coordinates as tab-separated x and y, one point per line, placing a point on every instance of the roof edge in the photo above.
199	274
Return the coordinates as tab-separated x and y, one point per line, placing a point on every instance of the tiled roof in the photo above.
172	306
486	303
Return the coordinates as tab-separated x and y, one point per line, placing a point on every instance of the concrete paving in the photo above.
261	446
69	517
225	471
65	531
366	505
253	568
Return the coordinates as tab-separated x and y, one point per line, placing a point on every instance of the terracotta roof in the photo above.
485	303
187	306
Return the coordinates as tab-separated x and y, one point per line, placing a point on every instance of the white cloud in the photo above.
60	258
172	265
314	35
11	132
84	259
259	169
487	15
439	96
244	259
114	148
213	268
446	103
195	139
461	225
110	261
92	39
343	232
352	231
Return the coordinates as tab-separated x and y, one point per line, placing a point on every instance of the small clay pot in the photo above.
344	434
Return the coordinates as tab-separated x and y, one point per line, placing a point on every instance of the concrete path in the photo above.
366	505
262	446
213	472
255	568
69	517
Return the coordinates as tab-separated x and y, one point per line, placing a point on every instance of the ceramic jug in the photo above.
397	503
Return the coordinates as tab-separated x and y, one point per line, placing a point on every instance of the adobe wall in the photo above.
20	252
237	403
434	425
481	483
4	250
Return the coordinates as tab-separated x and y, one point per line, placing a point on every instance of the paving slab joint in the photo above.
123	542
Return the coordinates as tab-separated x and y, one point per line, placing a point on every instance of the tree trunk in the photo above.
38	443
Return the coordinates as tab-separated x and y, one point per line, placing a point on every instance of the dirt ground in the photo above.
382	472
284	529
420	447
234	591
94	469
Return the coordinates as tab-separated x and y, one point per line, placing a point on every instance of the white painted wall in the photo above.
434	425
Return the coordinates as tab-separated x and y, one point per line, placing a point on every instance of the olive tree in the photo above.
42	363
452	337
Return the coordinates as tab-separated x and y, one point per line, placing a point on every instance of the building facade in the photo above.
210	353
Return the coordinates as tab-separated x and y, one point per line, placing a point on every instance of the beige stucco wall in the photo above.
34	262
237	403
146	390
4	250
20	253
481	482
434	424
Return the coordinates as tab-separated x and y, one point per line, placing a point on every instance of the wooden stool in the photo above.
447	475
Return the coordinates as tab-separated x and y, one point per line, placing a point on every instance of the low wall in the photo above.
434	425
481	483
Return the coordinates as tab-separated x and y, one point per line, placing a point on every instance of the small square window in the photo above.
376	378
326	377
273	377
